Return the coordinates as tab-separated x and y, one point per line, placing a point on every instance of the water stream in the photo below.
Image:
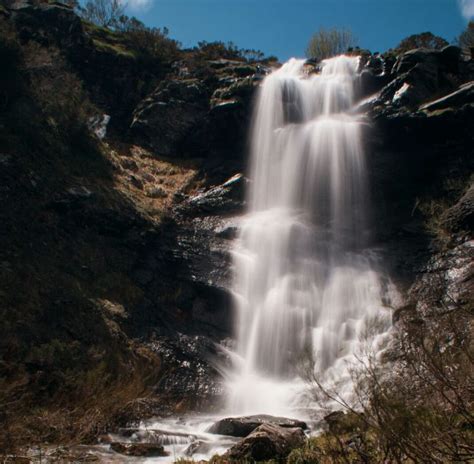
306	283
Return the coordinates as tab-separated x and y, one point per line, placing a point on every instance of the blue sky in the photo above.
283	27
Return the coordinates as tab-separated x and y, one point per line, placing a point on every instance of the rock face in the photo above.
422	122
268	441
243	426
205	117
420	74
460	217
190	363
171	115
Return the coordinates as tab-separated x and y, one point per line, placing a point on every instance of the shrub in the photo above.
329	42
230	51
423	40
420	408
152	43
105	13
58	93
218	49
466	38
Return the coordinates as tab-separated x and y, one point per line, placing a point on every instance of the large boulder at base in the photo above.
243	426
145	450
268	441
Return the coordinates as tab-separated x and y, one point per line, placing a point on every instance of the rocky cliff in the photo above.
121	178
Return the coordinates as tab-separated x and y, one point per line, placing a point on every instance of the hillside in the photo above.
122	175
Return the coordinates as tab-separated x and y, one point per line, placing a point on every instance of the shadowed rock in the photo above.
243	426
139	449
268	441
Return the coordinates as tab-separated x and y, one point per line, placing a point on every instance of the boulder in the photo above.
227	197
189	363
421	75
268	441
145	450
243	426
462	96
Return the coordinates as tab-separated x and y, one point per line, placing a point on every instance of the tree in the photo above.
329	42
423	40
466	39
105	13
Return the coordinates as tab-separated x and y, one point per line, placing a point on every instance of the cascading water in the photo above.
305	280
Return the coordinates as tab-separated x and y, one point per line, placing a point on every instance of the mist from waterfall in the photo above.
305	280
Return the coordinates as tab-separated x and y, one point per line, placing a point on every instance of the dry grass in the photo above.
99	403
149	181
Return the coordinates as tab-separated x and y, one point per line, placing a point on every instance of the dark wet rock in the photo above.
243	426
461	216
190	366
447	282
198	446
198	246
371	83
420	56
171	114
139	449
464	95
72	198
268	441
225	198
421	75
199	117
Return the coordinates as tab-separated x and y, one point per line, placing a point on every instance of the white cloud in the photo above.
139	5
467	8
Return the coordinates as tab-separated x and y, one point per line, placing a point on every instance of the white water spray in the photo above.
304	278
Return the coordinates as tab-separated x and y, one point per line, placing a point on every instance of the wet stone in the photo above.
243	426
139	449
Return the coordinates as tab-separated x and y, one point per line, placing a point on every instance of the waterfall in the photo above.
305	279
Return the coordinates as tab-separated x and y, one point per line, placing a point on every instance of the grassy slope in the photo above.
68	366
